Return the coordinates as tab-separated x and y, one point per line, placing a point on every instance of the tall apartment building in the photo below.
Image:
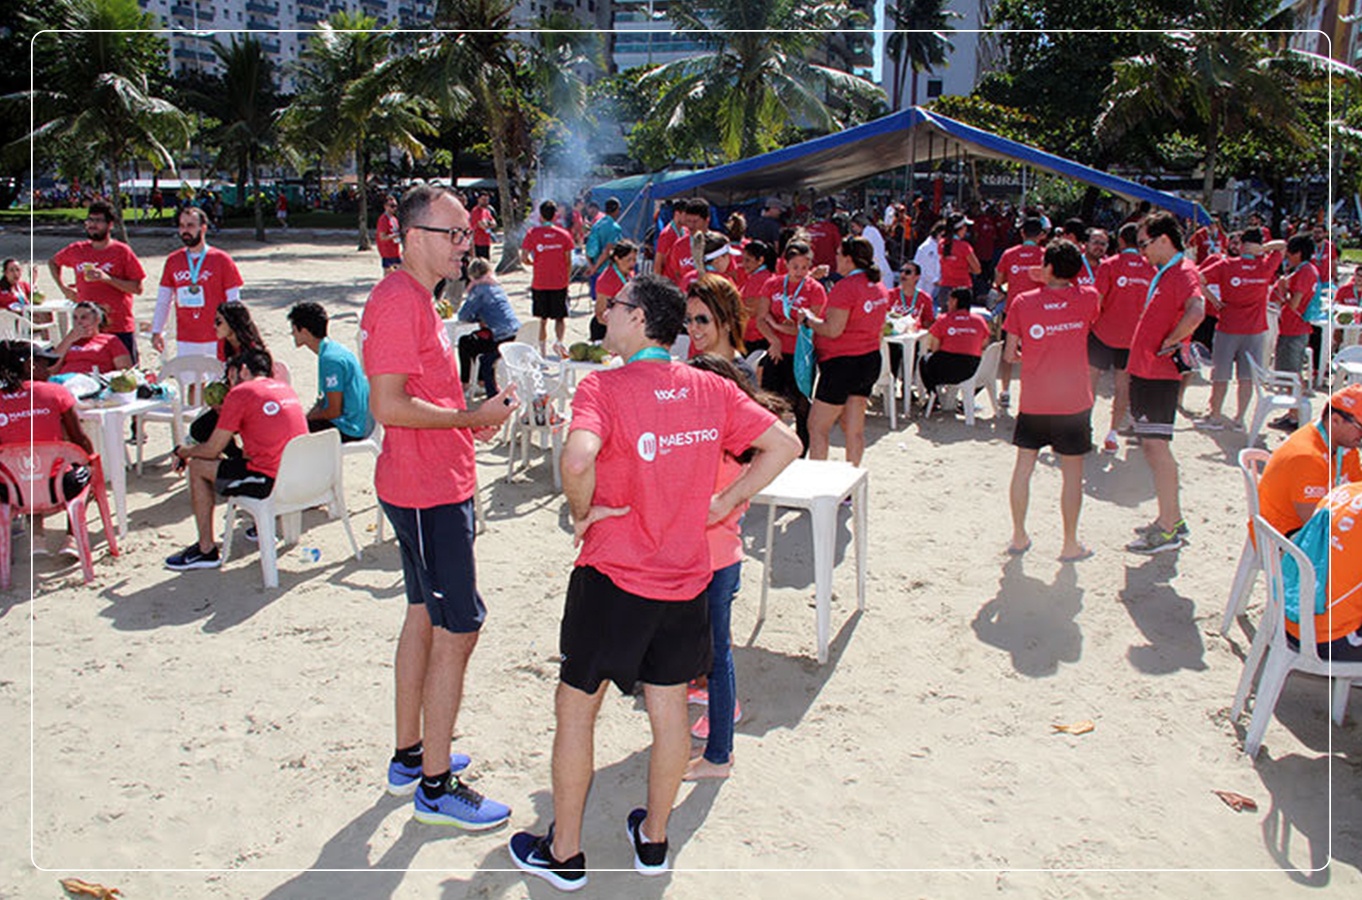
973	55
284	25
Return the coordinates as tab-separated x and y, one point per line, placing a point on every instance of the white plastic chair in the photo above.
190	375
1347	366
372	444
986	376
310	474
14	327
542	387
1252	461
884	386
1270	641
1276	391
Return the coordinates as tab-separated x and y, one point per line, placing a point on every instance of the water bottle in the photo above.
309	555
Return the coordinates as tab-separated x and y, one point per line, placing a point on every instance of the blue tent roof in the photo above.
828	163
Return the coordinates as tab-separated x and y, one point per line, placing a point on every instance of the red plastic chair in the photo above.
32	475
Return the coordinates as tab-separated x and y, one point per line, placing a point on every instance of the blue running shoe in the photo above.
402	780
460	806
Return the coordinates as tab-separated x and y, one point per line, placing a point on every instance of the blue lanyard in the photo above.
1154	282
618	273
195	266
656	353
1088	266
787	299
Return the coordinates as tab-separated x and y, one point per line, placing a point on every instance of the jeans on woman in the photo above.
723	687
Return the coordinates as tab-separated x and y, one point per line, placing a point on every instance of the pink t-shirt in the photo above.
1243	282
403	335
807	293
920	306
670	234
1123	283
194	311
481	218
725	536
679	261
1302	281
16	298
37	405
867	304
101	350
955	266
1016	265
1052	325
388	232
1179	284
609	284
117	260
824	239
552	249
664	428
753	287
267	415
961	331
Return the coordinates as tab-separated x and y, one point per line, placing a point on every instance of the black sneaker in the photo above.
1283	424
649	858
192	557
534	854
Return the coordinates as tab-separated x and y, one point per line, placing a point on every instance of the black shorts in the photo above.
1103	357
1069	434
482	251
234	479
1154	406
548	304
609	633
846	376
437	563
390	261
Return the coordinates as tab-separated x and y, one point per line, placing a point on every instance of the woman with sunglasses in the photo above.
715	321
615	274
847	340
236	333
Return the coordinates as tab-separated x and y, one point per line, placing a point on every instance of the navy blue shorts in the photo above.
437	563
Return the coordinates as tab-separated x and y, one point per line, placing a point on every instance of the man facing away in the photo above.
645	442
1173	309
107	273
342	390
425	480
1123	283
547	249
196	280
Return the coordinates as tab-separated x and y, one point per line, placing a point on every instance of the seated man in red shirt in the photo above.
85	348
267	415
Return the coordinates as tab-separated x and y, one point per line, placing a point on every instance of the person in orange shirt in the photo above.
1304	469
1338	629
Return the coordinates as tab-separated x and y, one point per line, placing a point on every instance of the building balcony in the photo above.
255	23
269	9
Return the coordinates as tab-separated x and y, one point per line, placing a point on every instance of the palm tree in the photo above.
919	42
245	103
347	96
96	93
757	70
1221	81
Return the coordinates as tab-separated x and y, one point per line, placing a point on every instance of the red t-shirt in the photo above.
824	239
1087	273
16	298
1179	284
1347	292
955	267
679	261
1205	244
194	311
267	415
1016	265
961	331
101	350
755	286
419	467
985	235
867	304
807	293
1326	257
1123	284
552	249
117	260
389	237
1302	281
1243	283
725	536
1052	325
481	218
669	235
690	276
37	405
663	429
609	284
920	306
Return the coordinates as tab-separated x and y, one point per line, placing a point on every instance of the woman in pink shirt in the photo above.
959	265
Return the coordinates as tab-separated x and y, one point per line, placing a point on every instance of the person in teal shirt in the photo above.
605	233
342	390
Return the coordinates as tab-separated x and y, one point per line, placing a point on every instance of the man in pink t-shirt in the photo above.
1014	275
484	222
107	273
425	481
1047	332
388	235
1122	282
547	249
196	280
644	436
267	415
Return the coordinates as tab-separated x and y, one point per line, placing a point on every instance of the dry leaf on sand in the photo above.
1237	802
1075	727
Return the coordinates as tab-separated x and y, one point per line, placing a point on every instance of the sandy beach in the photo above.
197	735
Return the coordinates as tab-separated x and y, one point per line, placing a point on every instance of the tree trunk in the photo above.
116	195
1212	151
259	211
362	173
510	220
897	102
912	93
751	99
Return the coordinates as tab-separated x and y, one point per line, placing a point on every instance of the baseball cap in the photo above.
773	201
1348	399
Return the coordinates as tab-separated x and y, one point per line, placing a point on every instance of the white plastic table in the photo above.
910	341
111	424
819	486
